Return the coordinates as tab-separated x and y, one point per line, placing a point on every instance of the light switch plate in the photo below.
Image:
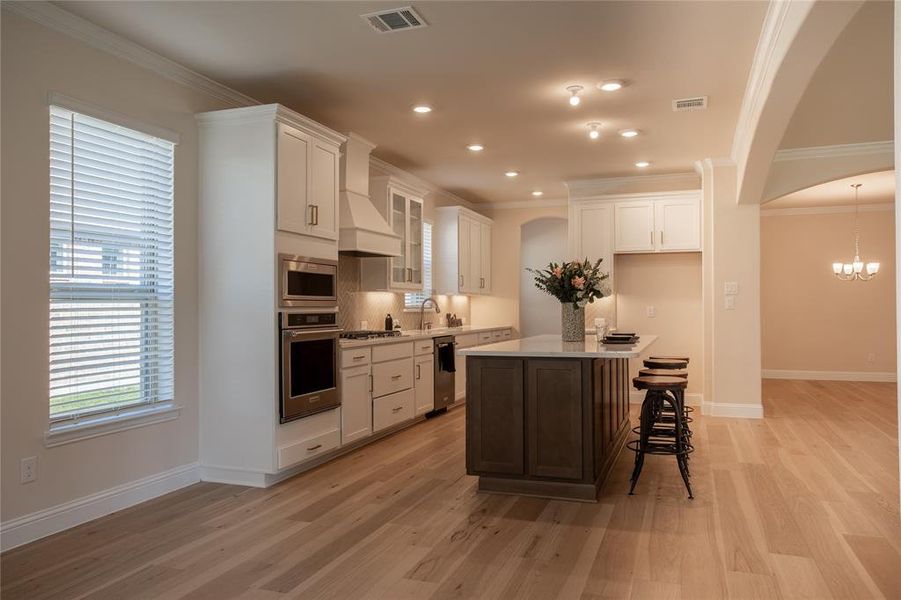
731	287
28	469
730	302
651	311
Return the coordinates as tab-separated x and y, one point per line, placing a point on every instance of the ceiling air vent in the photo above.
687	104
398	19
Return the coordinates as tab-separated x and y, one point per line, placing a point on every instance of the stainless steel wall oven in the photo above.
308	352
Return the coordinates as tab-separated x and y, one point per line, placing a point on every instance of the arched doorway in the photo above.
541	241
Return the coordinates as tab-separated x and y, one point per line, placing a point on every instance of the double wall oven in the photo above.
308	336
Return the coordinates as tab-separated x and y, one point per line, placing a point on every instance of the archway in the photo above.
541	241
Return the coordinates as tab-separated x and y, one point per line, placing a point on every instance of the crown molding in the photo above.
835	151
58	19
825	210
536	203
411	180
767	57
270	112
584	188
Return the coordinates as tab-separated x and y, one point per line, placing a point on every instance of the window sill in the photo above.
66	432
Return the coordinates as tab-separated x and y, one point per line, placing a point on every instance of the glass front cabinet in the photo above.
402	207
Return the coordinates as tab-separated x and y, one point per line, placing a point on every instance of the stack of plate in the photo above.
619	337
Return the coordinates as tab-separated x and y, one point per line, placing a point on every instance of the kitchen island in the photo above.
546	417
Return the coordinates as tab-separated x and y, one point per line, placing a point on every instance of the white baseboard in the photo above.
34	526
726	409
233	476
691	399
884	376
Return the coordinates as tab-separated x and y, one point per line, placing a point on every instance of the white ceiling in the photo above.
495	73
877	188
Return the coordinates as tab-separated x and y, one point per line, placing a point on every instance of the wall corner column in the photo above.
731	255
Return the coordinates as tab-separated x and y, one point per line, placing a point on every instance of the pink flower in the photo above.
578	282
558	272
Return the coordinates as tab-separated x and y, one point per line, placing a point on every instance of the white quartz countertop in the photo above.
410	335
553	346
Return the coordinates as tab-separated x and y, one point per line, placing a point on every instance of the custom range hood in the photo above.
363	230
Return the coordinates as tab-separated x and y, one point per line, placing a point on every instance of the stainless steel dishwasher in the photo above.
444	372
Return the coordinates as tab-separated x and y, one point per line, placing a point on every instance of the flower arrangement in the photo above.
577	282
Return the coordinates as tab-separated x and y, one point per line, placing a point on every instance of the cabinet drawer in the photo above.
507	334
392	376
465	341
391	410
385	352
497	335
485	337
353	357
308	448
423	347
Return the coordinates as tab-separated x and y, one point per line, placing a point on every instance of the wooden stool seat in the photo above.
682	358
662	373
665	363
660	383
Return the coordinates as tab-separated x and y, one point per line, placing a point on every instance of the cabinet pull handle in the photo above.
393	377
316	447
652	237
370	383
361	357
314	214
418	371
397	409
661	237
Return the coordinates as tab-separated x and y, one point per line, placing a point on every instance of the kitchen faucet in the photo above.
422	312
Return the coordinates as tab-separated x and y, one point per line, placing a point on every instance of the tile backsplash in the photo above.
355	306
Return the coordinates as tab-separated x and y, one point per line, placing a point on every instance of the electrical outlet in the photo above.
871	357
651	311
28	469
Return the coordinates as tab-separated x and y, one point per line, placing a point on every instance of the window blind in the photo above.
415	299
111	267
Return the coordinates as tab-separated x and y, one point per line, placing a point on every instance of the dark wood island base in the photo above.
548	427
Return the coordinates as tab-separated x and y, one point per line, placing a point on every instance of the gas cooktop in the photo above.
368	334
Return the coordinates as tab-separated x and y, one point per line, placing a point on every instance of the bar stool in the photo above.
667	366
662	431
659	357
666	363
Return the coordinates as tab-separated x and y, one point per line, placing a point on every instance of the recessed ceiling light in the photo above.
610	85
642	164
628	133
537	193
594	131
511	173
475	147
574	99
422	109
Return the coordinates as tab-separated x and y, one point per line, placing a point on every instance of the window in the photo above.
414	299
111	267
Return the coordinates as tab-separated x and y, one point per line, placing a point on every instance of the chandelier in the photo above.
856	269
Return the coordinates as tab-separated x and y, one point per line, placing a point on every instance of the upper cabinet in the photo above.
666	222
462	257
402	207
306	183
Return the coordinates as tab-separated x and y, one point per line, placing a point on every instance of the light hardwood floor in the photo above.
802	504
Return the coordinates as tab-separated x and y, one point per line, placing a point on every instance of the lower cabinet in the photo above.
392	409
494	417
424	384
356	404
311	437
554	405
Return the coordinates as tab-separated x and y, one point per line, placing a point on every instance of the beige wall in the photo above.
671	283
36	61
812	321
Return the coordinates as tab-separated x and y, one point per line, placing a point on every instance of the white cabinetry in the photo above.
468	340
667	222
424	384
356	401
462	258
261	169
306	183
401	206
